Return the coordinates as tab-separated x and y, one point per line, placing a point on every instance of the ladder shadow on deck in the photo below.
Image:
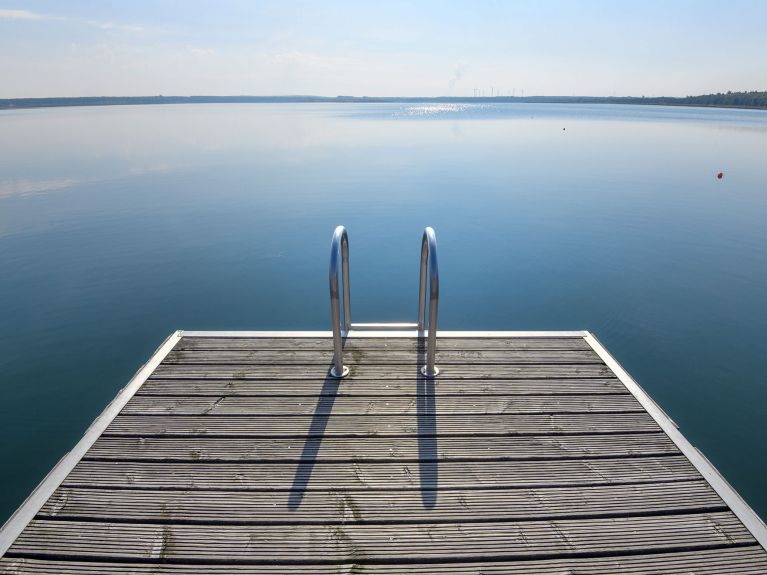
313	441
426	414
426	429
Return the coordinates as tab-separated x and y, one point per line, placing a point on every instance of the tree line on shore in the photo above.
754	99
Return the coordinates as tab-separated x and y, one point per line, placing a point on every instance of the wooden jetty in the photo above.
237	453
383	452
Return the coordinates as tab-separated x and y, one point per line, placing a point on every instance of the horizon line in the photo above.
751	100
399	97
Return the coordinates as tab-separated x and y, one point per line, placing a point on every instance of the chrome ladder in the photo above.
340	245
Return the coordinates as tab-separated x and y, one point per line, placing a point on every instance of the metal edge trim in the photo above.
735	502
27	511
387	333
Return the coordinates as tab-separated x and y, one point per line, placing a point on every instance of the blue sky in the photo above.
588	47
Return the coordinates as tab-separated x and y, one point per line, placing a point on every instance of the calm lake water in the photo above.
119	225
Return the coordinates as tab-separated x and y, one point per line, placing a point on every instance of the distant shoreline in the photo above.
744	100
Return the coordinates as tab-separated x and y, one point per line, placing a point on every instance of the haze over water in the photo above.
119	225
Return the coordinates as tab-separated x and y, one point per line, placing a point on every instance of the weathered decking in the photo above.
530	453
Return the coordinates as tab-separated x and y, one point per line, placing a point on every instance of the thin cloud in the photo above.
114	26
457	76
6	14
13	14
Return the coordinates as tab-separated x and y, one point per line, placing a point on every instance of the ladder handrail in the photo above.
429	270
429	259
339	243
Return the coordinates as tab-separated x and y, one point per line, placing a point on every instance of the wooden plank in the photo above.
329	449
383	372
378	388
383	476
388	344
327	405
299	356
720	561
398	333
360	543
367	426
225	507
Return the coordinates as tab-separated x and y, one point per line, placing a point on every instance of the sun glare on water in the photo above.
437	109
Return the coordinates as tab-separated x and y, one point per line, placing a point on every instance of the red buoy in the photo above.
719	175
